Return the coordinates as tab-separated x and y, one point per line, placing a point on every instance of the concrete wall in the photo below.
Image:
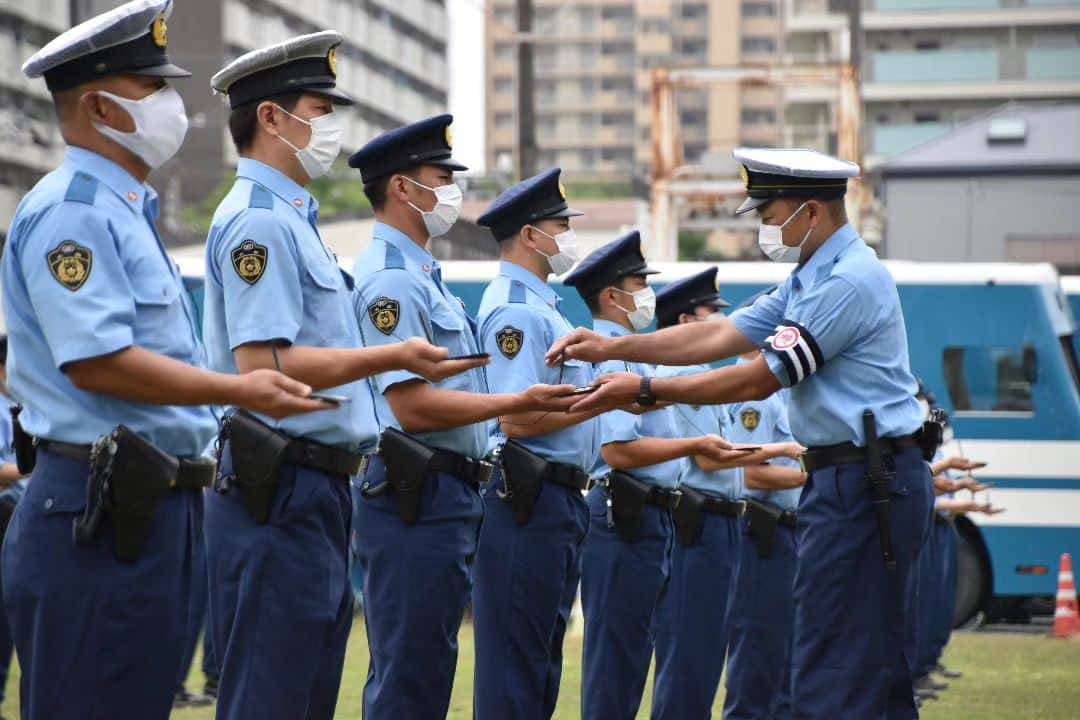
983	219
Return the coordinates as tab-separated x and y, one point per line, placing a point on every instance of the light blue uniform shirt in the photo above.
7	447
834	333
269	277
760	422
85	274
698	421
619	426
520	317
400	294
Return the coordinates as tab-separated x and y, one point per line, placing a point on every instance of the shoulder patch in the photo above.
750	419
250	260
510	340
82	189
393	260
70	263
384	313
517	292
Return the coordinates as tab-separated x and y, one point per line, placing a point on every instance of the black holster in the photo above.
523	473
407	462
689	517
22	443
878	479
258	451
628	497
763	519
128	479
929	438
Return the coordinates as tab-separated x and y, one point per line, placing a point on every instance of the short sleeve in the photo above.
617	425
257	264
758	320
77	283
7	436
517	338
825	323
391	308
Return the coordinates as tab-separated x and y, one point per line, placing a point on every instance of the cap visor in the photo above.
567	213
719	302
752	203
168	70
339	97
448	163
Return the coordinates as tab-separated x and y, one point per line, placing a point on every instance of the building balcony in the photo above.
892	139
925	14
1009	73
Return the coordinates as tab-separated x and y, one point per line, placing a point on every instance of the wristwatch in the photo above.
645	396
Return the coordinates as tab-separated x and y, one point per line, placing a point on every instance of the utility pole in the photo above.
526	100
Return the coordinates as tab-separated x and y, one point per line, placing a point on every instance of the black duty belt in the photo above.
324	458
942	519
723	506
569	476
470	470
825	456
664	497
194	473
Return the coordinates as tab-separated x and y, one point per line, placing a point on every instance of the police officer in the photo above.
278	529
691	637
12	487
626	563
762	606
834	332
528	565
101	336
419	519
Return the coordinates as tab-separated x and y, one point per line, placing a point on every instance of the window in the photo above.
655	26
991	379
752	116
927	117
752	44
758	9
928	45
694	12
504	120
504	86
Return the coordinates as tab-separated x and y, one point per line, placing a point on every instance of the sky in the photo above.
466	58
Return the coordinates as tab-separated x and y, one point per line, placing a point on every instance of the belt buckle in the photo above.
740	507
484	474
362	467
674	498
802	463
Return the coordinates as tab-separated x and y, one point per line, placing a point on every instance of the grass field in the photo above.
1006	677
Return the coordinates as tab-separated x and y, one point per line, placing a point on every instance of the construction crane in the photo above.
671	182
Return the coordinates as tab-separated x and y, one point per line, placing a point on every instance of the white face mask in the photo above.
771	241
645	300
160	125
568	254
442	217
318	156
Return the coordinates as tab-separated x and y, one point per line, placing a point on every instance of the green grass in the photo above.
1006	677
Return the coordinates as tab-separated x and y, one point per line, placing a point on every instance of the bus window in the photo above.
990	379
1070	359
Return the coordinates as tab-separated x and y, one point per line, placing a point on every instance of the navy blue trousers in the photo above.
762	620
96	637
622	588
8	499
280	602
197	608
937	595
854	652
524	588
692	634
417	582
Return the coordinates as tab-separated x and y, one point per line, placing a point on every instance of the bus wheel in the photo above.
972	575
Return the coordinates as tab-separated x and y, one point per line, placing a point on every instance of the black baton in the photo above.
879	486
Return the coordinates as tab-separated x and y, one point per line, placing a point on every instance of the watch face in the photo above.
645	396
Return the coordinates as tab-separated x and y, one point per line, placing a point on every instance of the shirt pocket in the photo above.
327	310
162	324
448	329
576	373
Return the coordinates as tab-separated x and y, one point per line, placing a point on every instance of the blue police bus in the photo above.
996	343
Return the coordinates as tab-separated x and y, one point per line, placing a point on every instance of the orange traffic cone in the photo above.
1066	622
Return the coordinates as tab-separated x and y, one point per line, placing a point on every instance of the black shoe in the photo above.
947	673
922	695
210	689
928	683
184	699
